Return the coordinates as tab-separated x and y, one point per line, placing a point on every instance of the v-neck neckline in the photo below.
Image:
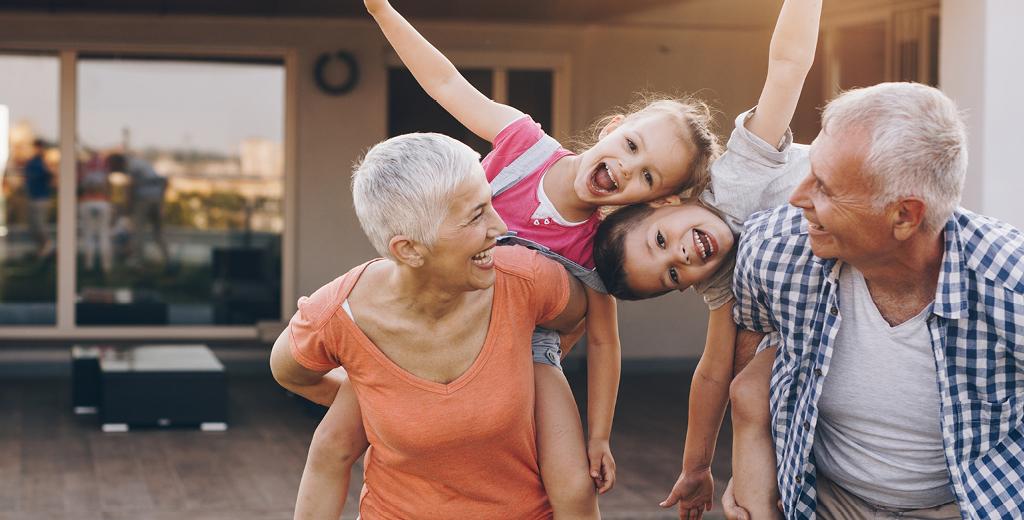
403	373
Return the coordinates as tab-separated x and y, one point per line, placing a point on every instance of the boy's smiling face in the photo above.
675	247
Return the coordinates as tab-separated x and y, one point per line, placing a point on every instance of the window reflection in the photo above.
180	190
28	181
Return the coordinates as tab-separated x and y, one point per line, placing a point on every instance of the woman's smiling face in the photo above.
675	247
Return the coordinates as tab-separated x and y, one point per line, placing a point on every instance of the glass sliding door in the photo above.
179	191
29	162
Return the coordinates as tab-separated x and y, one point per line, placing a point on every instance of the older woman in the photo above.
435	339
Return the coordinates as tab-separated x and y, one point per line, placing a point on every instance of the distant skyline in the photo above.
168	105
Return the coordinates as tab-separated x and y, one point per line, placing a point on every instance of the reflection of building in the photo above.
261	158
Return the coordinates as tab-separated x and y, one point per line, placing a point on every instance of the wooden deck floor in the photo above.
54	465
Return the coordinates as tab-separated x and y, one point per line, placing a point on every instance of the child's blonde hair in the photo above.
694	121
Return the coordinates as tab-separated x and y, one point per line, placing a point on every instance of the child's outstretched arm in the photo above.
438	77
604	366
709	395
789	60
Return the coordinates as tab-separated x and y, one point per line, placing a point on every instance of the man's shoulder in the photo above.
992	248
784	225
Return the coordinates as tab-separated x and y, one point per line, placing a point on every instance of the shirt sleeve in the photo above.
717	290
751	310
312	330
550	287
510	143
753	175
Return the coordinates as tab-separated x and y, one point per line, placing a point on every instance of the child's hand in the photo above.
602	464
375	5
695	493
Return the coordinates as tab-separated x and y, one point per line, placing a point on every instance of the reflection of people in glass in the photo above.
146	200
38	186
94	212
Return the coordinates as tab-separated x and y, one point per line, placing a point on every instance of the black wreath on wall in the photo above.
336	89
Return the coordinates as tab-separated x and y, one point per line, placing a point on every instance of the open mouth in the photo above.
484	258
602	182
706	244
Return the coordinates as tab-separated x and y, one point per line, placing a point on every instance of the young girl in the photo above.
760	168
549	196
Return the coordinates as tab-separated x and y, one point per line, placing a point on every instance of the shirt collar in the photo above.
951	293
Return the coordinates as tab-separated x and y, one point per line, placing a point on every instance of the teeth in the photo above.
705	250
482	257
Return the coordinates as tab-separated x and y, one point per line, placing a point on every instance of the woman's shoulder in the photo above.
326	301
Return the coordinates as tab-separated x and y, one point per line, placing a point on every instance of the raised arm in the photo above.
789	59
438	77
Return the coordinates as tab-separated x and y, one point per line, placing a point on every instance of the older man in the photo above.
895	390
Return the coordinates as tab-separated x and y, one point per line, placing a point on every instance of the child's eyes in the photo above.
674	275
649	178
661	240
631	144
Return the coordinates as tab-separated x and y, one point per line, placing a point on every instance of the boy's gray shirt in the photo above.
750	176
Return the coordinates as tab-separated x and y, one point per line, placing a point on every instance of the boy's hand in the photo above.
695	493
375	5
602	464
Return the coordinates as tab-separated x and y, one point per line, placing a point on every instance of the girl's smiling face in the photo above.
638	159
675	247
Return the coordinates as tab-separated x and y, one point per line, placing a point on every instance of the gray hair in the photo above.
405	185
918	144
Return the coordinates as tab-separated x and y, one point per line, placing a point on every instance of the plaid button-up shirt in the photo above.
976	326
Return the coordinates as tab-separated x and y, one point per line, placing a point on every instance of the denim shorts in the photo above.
547	347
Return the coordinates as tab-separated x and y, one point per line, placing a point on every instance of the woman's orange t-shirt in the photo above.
466	449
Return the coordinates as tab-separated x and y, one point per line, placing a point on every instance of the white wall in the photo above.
981	69
608	63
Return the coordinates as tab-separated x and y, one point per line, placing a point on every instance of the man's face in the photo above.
837	198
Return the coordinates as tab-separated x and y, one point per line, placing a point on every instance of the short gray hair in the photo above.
405	185
918	143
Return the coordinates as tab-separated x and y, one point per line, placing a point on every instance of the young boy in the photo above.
643	251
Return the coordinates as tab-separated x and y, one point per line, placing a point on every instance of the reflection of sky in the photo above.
203	106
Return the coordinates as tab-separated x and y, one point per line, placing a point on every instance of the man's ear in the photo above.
667	200
611	126
908	217
406	251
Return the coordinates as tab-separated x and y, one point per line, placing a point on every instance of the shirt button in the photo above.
807	425
818	372
536	222
799	479
834	311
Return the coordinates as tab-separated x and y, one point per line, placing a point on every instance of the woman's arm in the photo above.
319	387
709	395
789	59
604	366
439	78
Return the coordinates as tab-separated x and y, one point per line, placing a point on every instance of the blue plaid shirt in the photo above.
976	326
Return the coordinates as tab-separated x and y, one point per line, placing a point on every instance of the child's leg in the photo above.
753	455
338	442
564	467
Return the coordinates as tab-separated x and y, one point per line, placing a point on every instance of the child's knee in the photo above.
574	497
749	395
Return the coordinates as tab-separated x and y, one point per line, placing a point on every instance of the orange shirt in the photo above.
466	449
